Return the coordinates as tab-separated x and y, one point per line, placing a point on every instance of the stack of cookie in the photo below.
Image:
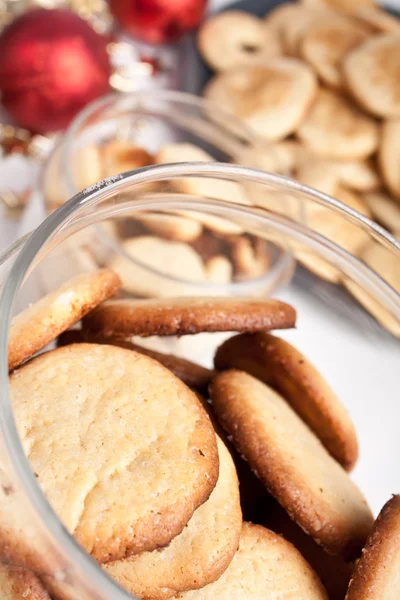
139	454
318	79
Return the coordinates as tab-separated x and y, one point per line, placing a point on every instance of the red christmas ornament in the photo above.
52	64
158	21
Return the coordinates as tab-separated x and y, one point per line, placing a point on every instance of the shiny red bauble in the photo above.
52	64
158	21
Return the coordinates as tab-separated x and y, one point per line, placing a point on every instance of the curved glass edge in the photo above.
58	222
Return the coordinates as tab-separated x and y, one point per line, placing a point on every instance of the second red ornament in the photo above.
158	21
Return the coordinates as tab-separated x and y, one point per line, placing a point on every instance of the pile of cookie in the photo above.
179	480
194	247
318	79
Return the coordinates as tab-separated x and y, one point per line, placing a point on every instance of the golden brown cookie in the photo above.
371	73
17	583
236	38
359	175
333	571
196	557
325	44
293	29
219	269
205	187
384	209
341	6
36	326
156	265
266	567
277	363
273	99
104	430
374	307
120	156
355	135
377	573
316	264
195	376
378	19
249	261
389	156
291	461
170	227
183	316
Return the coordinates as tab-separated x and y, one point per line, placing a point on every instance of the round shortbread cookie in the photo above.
378	19
359	175
325	44
156	264
196	557
384	209
291	461
36	326
123	450
355	135
183	316
377	573
273	99
277	363
219	269
194	375
389	155
170	227
266	567
341	6
371	72
120	156
17	583
334	572
205	187
236	38
374	307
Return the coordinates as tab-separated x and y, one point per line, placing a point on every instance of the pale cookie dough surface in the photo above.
355	134
279	364
200	554
37	325
266	567
159	267
273	98
183	316
17	583
122	448
291	461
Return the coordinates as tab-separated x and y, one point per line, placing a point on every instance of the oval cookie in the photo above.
36	326
266	567
159	267
196	557
105	430
376	576
170	227
277	363
273	99
326	43
294	466
371	73
384	209
17	583
355	135
183	316
236	38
